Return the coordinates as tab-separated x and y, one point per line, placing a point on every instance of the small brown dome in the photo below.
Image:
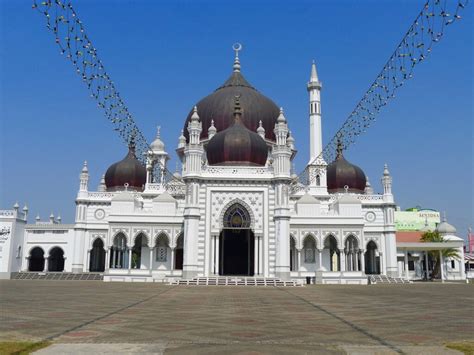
219	106
341	173
237	145
127	171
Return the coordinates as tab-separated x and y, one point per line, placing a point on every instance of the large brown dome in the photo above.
341	173
237	145
127	171
219	106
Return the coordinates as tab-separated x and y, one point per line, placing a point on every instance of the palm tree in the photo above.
451	253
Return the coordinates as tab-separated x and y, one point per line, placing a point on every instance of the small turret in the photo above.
211	132
84	178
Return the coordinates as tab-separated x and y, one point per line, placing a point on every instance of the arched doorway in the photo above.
137	255
293	255
178	263
36	259
352	254
236	243
56	259
97	257
330	246
118	252
372	260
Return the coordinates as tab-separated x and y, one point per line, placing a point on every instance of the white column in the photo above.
151	258
191	234
106	260
88	262
362	261
46	262
426	265
383	270
406	264
129	258
298	256
282	227
256	270
320	259
342	257
217	255
172	259
441	265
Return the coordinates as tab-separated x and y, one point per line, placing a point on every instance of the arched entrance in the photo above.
236	243
372	260
97	257
36	259
56	259
178	263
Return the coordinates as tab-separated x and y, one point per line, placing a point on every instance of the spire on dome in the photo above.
237	109
385	170
158	128
84	168
212	130
237	47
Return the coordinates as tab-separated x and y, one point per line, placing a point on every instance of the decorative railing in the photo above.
101	195
7	213
235	171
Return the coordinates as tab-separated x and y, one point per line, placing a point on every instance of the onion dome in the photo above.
219	106
127	171
341	173
445	228
237	145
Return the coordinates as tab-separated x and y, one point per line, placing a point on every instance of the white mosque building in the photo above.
232	212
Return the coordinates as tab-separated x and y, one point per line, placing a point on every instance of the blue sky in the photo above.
164	56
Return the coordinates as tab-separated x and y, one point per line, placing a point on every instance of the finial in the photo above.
59	218
444	217
25	209
314	74
126	185
158	131
212	130
237	108
237	47
37	218
195	116
281	118
261	130
16	206
84	167
385	170
346	188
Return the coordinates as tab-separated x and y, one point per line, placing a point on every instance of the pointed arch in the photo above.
145	238
97	256
178	262
244	206
309	249
332	250
56	259
372	258
162	245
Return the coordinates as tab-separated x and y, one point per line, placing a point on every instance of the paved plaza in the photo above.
196	319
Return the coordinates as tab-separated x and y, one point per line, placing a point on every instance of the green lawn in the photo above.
467	347
21	347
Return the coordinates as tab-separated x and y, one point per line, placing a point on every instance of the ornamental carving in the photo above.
251	201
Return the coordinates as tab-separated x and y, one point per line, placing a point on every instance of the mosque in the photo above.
233	212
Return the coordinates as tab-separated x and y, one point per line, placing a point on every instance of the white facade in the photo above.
180	229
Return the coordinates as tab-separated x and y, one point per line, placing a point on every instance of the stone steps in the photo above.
235	281
383	279
60	276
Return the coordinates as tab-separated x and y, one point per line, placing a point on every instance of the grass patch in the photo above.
21	347
466	347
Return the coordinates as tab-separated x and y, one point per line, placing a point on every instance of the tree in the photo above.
451	253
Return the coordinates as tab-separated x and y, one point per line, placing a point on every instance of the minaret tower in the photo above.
317	165
315	131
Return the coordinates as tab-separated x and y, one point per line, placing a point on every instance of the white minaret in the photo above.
315	131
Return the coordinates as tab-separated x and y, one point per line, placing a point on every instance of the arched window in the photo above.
318	180
309	246
162	245
236	216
